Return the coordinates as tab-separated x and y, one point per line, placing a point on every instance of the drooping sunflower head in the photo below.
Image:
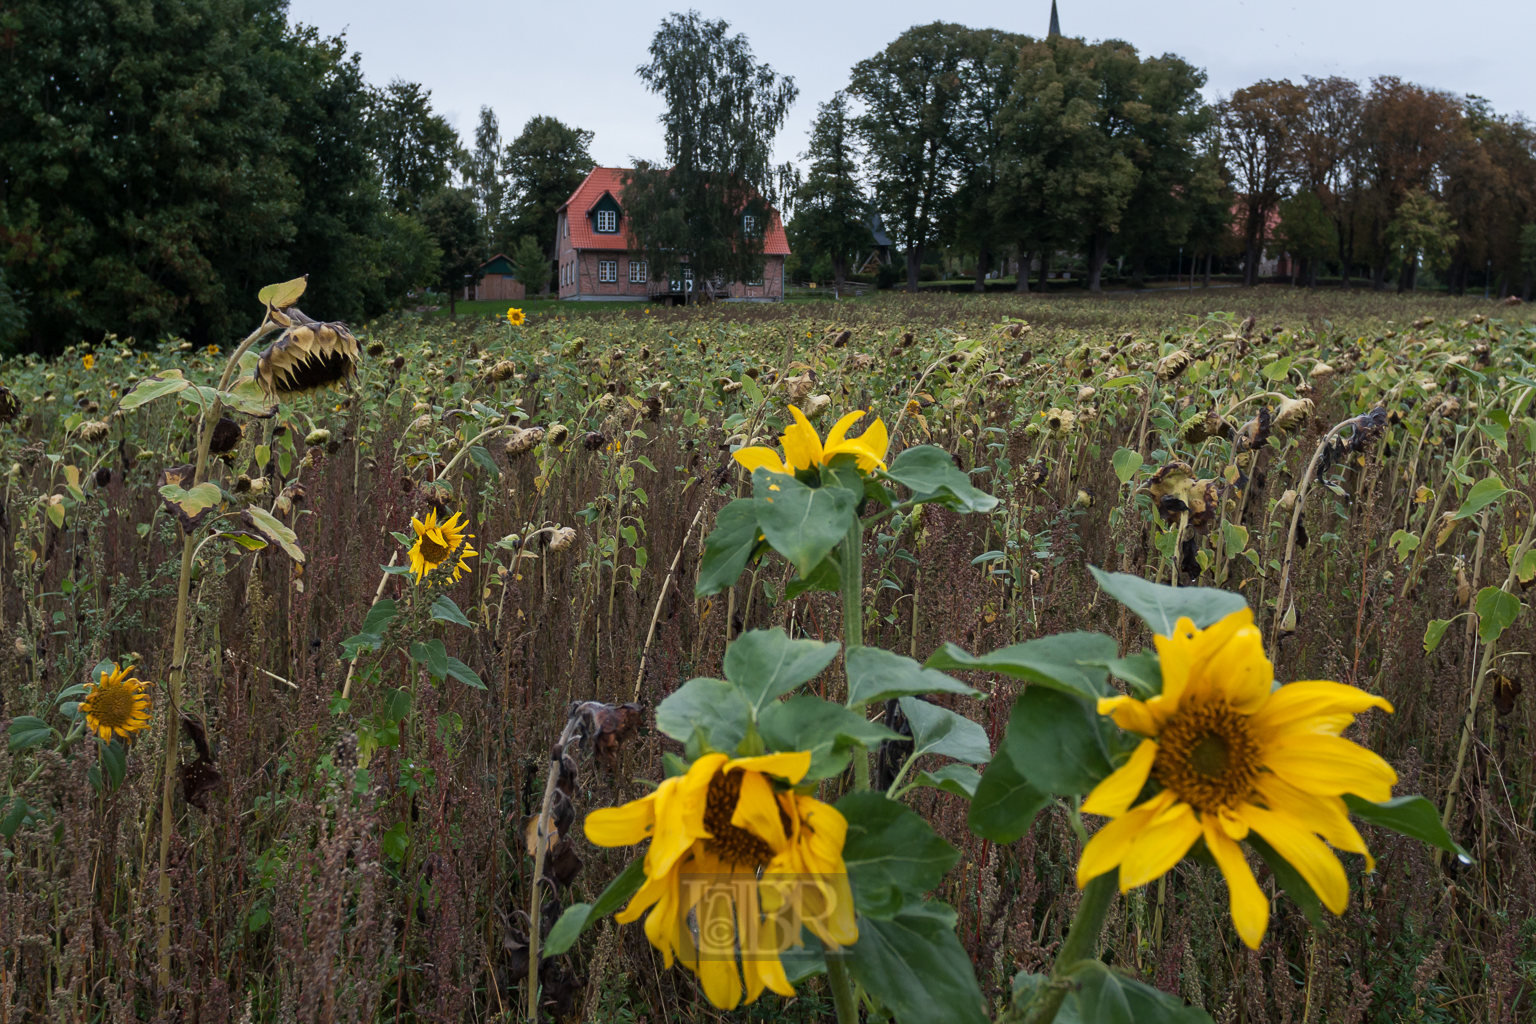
738	863
804	448
116	704
307	356
439	541
1227	753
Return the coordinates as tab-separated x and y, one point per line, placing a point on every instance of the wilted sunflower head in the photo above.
116	704
10	405
307	356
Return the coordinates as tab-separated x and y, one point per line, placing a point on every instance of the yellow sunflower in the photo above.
116	704
1230	753
735	865
436	541
515	317
88	361
804	449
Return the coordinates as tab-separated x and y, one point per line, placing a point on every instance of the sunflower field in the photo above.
936	660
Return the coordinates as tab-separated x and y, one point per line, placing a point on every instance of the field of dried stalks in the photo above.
348	814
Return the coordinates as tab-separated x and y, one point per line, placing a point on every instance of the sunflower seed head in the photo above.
307	356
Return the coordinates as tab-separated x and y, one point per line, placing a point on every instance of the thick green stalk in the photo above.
851	555
843	998
1082	938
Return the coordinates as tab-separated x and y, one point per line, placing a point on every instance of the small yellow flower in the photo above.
116	704
515	317
88	360
727	846
1231	754
435	542
804	449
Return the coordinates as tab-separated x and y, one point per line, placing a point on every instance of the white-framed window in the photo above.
565	227
748	225
607	270
639	272
687	279
607	221
756	282
719	279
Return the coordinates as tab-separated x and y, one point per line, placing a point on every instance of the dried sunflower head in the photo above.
10	405
1170	366
307	356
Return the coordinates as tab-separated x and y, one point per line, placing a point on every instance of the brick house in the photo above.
595	262
496	278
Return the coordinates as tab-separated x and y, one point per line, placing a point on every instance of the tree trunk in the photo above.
1312	278
1207	270
1098	252
1379	277
1525	293
914	260
1138	272
982	258
1021	279
1045	269
453	308
1346	250
1251	262
839	274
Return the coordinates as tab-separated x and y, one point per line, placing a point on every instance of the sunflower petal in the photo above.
1159	846
624	825
802	448
1294	704
757	810
1327	815
759	457
790	766
1309	855
1250	908
1132	715
1114	795
1330	766
1107	847
839	432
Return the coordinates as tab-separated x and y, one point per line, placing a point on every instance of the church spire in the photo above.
1055	24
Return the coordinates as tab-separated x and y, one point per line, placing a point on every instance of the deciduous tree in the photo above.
831	210
1259	125
543	166
910	91
707	207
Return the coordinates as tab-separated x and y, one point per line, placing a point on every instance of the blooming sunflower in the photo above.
803	449
116	704
515	317
436	541
88	361
741	859
1230	754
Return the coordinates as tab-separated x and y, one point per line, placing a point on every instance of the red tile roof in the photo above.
611	180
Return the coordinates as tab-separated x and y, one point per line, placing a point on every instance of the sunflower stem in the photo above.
843	998
851	563
1082	939
178	671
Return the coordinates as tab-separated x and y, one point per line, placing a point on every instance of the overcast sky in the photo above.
576	61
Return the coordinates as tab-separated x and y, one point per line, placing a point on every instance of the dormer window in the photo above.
749	225
607	222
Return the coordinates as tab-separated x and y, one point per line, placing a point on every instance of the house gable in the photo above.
606	216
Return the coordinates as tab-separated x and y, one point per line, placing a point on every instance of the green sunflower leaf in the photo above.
959	779
1055	742
728	547
937	730
444	609
1161	607
766	663
802	523
915	964
1106	996
713	708
26	732
932	476
1412	816
893	856
579	917
1071	662
829	731
1004	804
876	675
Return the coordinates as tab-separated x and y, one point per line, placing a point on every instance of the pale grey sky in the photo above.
576	61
